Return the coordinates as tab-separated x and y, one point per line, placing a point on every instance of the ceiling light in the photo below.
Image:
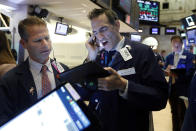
7	8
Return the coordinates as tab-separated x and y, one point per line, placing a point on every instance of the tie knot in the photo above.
44	68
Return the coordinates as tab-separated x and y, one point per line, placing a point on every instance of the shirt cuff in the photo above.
124	94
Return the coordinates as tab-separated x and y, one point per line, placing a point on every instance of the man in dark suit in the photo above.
190	116
136	85
26	83
179	82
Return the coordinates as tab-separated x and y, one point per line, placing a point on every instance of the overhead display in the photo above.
125	5
149	11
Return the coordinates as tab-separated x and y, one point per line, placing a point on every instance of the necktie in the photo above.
176	59
110	54
46	86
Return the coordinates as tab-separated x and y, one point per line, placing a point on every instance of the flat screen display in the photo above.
170	31
58	111
149	11
191	41
155	31
125	5
136	37
61	29
189	21
183	34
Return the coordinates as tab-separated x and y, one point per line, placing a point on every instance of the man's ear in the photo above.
117	24
23	43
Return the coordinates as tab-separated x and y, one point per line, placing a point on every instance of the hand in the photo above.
92	48
112	82
168	71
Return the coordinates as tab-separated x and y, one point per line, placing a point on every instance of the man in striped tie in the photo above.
35	77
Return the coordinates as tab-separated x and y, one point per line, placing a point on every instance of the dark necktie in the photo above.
110	54
46	85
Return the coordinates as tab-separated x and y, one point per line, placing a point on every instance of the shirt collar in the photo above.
119	45
180	53
35	66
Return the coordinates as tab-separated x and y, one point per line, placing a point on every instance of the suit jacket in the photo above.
190	116
182	82
16	91
147	91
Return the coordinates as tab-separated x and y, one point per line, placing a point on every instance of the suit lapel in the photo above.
118	57
26	79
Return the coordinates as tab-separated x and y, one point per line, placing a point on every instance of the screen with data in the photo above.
58	111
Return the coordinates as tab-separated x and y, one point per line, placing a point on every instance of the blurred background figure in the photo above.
181	62
153	43
162	59
7	60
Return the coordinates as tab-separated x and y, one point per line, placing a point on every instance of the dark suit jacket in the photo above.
183	80
190	116
15	94
147	91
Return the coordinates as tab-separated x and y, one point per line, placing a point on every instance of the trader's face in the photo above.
107	34
176	45
38	44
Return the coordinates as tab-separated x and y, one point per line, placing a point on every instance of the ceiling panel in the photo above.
74	11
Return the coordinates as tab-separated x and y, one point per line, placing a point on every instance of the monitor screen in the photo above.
189	22
125	5
155	31
59	110
149	11
135	37
170	31
61	29
191	41
183	34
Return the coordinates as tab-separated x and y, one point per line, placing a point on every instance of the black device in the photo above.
155	31
179	71
62	110
89	71
189	21
61	29
170	31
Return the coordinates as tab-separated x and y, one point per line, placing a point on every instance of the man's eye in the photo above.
103	29
38	41
47	38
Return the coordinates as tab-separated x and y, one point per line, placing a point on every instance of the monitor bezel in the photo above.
60	23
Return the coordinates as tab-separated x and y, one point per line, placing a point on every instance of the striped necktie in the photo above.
46	85
109	56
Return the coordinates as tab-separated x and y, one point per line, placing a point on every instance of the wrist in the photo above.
124	84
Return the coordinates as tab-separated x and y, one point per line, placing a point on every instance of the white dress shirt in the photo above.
35	69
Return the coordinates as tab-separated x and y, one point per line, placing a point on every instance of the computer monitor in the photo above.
61	29
60	110
149	12
135	37
155	31
191	41
170	31
189	22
